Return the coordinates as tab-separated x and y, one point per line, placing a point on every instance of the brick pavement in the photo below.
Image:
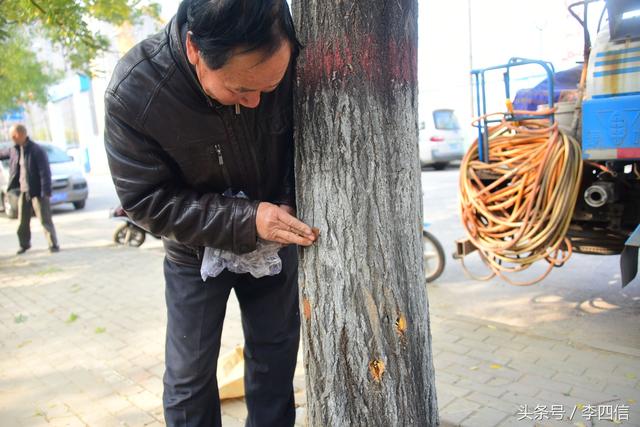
82	336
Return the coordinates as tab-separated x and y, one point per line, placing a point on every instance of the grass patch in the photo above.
72	318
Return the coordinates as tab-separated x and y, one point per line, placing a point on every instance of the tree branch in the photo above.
87	39
37	6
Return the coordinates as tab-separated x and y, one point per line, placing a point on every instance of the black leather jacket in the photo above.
173	151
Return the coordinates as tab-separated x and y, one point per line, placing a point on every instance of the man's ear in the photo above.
192	50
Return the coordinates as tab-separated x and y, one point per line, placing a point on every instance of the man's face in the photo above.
244	77
18	137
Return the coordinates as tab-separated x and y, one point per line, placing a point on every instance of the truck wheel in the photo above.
440	165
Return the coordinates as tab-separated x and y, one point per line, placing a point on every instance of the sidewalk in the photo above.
83	336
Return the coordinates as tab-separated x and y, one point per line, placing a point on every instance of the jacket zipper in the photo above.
217	147
225	173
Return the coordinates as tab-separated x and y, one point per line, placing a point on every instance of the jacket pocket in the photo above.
201	163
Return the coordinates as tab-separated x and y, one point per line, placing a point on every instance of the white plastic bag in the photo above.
264	261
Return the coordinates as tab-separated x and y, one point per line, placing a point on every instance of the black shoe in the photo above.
54	249
23	250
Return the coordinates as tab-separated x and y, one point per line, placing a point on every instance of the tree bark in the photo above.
367	344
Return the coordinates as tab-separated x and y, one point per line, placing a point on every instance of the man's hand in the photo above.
288	209
277	224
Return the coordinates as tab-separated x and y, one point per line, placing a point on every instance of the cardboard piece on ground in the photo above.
230	374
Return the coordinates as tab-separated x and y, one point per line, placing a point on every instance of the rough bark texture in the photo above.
367	343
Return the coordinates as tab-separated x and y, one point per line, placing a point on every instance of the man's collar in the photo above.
177	34
28	143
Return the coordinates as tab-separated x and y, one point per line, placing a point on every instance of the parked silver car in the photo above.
68	185
440	139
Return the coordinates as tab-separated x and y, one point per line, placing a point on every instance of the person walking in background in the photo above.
29	172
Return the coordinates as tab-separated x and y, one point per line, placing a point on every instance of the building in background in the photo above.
458	35
73	118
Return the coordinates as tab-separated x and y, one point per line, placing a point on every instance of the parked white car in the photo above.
440	139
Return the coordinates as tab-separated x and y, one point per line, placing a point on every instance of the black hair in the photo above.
218	27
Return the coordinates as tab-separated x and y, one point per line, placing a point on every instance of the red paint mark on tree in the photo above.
367	56
364	58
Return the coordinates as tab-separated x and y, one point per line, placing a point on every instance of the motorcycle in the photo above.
128	233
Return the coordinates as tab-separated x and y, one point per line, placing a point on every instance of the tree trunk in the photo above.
367	343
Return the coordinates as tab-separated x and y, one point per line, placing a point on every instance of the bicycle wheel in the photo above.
433	256
129	235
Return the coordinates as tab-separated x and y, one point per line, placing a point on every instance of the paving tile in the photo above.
470	371
485	389
452	348
444	397
488	356
235	408
228	421
504	343
512	421
484	417
476	344
445	378
623	392
474	333
454	390
457	411
580	381
134	417
489	401
115	403
548	363
545	383
145	400
531	367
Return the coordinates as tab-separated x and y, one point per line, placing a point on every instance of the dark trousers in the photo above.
271	325
42	208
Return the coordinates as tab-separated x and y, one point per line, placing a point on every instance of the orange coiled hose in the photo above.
517	207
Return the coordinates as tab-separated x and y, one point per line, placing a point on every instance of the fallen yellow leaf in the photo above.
473	368
495	366
491	327
631	401
22	344
631	376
